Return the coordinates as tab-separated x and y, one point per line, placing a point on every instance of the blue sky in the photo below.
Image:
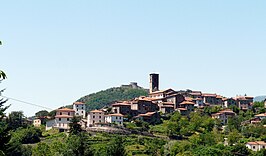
57	51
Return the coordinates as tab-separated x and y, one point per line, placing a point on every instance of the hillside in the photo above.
108	96
259	98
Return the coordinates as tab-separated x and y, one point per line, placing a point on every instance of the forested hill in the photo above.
108	96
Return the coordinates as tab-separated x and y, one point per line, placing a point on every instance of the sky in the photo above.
55	52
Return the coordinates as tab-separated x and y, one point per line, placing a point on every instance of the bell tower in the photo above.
154	82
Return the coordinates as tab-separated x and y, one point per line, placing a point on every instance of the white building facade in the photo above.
114	119
63	118
80	109
95	117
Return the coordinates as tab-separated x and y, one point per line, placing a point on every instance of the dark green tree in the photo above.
75	127
42	113
4	131
16	119
116	147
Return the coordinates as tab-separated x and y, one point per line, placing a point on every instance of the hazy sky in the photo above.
54	52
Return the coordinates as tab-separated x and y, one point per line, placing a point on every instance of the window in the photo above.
60	113
68	113
59	119
67	119
100	121
93	116
116	117
93	121
82	112
82	108
253	147
100	116
263	146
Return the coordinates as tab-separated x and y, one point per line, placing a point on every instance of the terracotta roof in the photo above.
209	95
168	103
219	97
65	110
182	109
115	115
147	114
78	103
261	115
121	104
196	93
63	116
187	103
96	111
189	99
164	106
257	143
161	91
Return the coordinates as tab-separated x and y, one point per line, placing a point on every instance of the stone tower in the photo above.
154	82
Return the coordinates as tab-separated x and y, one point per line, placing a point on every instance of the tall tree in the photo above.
75	127
4	134
116	147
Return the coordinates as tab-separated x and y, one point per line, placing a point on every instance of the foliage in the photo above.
116	147
75	127
16	119
103	98
42	113
28	135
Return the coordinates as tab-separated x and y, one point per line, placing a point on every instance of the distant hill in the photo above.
260	98
106	97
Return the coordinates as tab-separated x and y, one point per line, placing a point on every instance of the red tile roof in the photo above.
115	115
65	110
78	103
63	116
187	103
96	111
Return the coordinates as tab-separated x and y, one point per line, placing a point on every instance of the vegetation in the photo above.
106	97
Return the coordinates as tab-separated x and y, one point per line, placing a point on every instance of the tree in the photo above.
116	147
4	134
16	119
77	145
75	127
2	75
42	113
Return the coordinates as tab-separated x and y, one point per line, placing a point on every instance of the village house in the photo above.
261	116
186	107
227	102
224	115
122	108
37	122
256	145
209	99
244	102
166	107
142	105
150	117
80	109
95	117
116	119
63	118
265	103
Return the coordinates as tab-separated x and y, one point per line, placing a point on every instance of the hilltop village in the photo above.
152	108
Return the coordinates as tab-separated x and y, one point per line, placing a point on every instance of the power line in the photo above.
29	103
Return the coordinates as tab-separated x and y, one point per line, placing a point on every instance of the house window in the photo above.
68	113
82	108
93	116
116	117
60	113
93	121
82	112
100	121
59	119
263	146
67	119
253	147
100	116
